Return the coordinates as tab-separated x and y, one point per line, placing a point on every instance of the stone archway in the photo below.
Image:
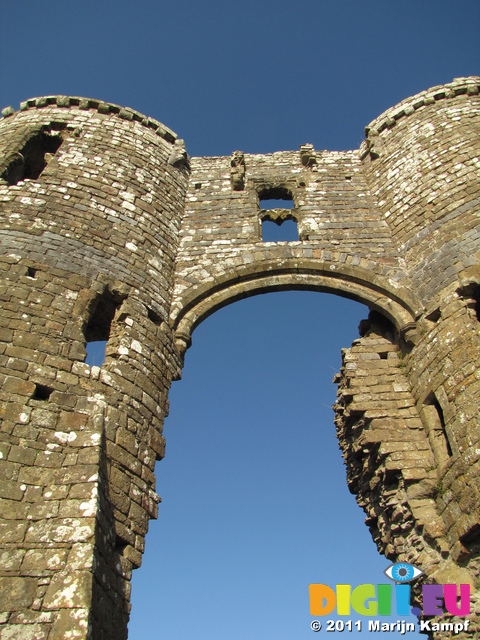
197	303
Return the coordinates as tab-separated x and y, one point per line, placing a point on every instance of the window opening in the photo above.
154	317
32	158
96	353
275	203
278	223
432	414
97	331
283	231
280	197
42	392
31	272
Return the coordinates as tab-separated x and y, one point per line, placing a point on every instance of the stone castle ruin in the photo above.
110	231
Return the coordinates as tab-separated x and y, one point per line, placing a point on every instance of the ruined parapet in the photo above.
91	197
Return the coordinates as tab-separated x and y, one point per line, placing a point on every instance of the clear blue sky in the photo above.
255	504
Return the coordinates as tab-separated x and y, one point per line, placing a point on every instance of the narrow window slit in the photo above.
154	317
439	411
97	331
434	421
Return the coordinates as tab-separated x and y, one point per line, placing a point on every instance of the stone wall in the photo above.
400	467
109	231
88	249
344	243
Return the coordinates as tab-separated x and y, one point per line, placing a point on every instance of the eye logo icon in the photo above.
403	572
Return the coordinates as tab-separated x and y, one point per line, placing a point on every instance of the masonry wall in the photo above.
423	169
421	162
96	230
109	230
343	238
399	468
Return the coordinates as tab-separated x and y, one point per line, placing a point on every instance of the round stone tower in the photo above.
92	197
422	163
422	160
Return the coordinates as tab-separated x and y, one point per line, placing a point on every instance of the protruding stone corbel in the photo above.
375	144
179	157
237	171
409	333
308	155
182	342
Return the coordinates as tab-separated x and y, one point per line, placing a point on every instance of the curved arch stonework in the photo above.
101	208
200	302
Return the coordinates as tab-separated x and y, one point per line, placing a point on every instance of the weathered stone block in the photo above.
70	623
37	560
69	590
16	593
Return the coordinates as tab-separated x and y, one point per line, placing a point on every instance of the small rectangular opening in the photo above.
42	392
434	316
